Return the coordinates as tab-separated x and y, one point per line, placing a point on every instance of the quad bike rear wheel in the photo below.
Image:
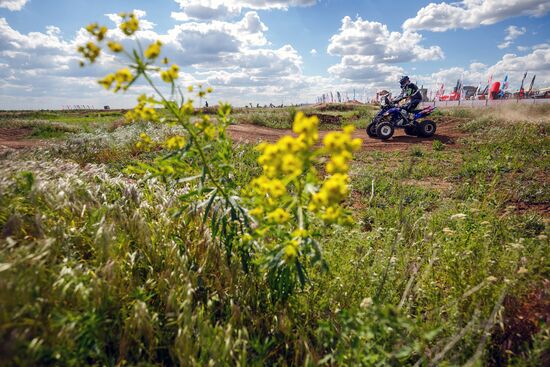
426	128
384	130
371	130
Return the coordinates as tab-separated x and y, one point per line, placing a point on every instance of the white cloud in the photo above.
13	5
537	62
512	32
234	57
313	52
469	14
219	9
369	50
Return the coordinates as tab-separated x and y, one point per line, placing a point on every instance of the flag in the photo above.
478	90
531	85
505	83
521	90
440	92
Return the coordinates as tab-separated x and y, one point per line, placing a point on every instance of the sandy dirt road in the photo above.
447	132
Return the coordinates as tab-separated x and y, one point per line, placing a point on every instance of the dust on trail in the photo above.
17	138
447	132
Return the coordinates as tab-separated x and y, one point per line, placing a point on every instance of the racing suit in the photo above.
412	92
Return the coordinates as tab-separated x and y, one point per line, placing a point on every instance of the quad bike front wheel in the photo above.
384	130
371	130
426	128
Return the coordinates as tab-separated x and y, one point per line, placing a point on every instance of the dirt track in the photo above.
447	133
17	138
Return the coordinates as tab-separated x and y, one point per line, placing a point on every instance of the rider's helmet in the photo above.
404	81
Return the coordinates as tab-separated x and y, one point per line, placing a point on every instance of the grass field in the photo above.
447	262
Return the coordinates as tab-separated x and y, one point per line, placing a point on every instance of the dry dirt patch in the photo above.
447	132
17	138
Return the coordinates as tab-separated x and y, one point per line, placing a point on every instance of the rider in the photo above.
411	91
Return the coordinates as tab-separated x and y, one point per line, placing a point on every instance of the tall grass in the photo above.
98	267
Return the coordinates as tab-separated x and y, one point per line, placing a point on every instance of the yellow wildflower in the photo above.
90	51
291	251
331	214
171	74
256	212
115	46
338	164
278	216
300	233
145	141
175	142
318	200
130	25
123	78
107	82
210	132
153	51
276	188
187	108
95	30
291	165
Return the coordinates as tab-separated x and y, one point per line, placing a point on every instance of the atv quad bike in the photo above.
389	118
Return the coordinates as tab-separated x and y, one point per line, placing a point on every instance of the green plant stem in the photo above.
193	137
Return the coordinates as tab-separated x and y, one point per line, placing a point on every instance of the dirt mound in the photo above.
16	138
447	132
348	106
325	119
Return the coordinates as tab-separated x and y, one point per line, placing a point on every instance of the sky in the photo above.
273	51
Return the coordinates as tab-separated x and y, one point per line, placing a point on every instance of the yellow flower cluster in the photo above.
284	157
283	164
153	51
326	202
291	250
90	51
278	216
307	129
145	141
175	142
95	30
206	126
265	186
130	23
171	74
115	46
341	145
143	110
122	77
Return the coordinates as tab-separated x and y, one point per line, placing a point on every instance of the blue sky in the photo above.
260	51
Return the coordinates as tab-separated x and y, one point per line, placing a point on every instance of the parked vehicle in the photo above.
390	117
